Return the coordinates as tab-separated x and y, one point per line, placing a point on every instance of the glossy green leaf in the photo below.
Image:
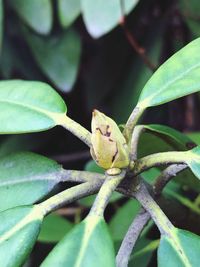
25	178
87	244
193	160
29	106
37	14
177	77
54	228
19	229
123	218
101	16
180	250
68	11
171	136
58	57
150	143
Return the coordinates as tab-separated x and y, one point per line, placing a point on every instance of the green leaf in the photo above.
29	106
54	228
88	243
193	160
123	218
19	229
68	11
180	250
18	143
190	12
91	166
101	16
136	75
171	136
37	14
195	137
141	257
177	77
58	57
25	178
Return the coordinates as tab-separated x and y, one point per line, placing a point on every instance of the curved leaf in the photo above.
101	16
88	244
29	106
193	160
37	14
58	57
50	232
25	178
182	250
177	77
68	11
171	136
19	229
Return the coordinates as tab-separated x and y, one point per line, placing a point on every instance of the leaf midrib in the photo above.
46	177
31	107
148	99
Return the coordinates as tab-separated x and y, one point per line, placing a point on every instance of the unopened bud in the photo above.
109	148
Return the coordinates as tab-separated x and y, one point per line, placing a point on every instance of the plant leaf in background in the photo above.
19	229
136	76
177	77
54	228
185	254
122	219
101	16
27	106
58	57
25	178
175	138
68	11
193	160
88	244
190	11
141	257
37	14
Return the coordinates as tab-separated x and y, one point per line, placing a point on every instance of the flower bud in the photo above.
109	148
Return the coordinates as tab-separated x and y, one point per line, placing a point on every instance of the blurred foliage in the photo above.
79	47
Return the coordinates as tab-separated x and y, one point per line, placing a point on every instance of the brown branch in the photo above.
132	41
131	237
141	220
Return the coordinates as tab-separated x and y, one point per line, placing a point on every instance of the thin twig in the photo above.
131	237
132	41
69	195
166	176
158	159
138	130
79	176
141	220
102	199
